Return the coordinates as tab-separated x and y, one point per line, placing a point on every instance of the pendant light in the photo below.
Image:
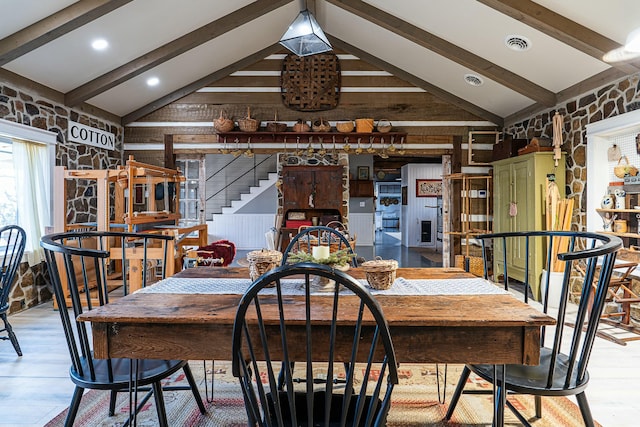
304	36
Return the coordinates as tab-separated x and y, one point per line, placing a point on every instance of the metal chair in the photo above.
87	263
12	243
261	342
563	359
315	235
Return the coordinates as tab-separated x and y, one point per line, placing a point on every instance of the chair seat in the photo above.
533	379
149	371
318	408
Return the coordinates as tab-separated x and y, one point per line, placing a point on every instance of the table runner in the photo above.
401	286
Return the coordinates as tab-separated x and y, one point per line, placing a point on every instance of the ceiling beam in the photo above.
54	26
404	75
560	28
448	50
198	84
172	49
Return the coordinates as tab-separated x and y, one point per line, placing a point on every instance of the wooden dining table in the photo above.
496	329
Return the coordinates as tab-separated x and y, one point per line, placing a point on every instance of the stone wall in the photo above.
611	100
31	109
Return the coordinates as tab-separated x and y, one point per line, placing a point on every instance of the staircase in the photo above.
230	183
241	199
254	191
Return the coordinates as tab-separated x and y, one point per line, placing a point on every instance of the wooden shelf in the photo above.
618	210
314	137
628	235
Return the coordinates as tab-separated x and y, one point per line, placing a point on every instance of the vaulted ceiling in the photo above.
433	44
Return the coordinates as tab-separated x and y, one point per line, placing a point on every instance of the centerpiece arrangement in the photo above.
321	255
339	260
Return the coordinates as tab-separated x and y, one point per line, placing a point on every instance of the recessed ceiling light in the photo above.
153	81
517	43
100	44
473	79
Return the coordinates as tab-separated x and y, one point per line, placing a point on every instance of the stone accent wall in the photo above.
611	100
28	108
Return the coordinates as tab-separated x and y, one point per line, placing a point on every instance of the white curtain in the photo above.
32	171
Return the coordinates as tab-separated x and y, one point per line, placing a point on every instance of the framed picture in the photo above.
363	173
428	187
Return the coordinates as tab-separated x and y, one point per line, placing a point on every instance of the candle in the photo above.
320	252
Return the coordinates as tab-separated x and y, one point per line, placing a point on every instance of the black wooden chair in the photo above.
83	260
261	346
12	243
563	359
309	237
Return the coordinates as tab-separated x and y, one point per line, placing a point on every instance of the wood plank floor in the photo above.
36	387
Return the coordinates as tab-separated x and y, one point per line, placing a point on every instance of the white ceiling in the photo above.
138	27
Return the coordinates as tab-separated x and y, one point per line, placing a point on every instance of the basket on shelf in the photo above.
223	124
301	126
248	124
383	126
345	127
276	126
262	261
321	126
364	125
380	273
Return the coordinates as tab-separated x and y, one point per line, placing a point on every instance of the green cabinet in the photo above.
519	205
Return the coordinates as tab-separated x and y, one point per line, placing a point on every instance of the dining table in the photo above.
453	324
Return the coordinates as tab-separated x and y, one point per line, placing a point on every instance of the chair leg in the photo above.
584	409
458	392
194	388
538	400
159	399
73	407
112	402
12	335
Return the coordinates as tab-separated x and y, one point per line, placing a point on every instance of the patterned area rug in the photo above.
414	403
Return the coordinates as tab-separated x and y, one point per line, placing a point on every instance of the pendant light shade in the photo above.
304	36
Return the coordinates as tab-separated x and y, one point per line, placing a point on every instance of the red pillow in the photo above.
221	249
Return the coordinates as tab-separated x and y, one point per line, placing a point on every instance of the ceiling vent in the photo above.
517	43
473	79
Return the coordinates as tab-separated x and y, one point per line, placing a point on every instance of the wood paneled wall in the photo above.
366	92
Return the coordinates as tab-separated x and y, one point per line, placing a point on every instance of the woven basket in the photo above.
321	126
301	126
248	124
383	126
345	127
476	266
276	126
223	124
622	170
380	273
262	261
364	125
335	244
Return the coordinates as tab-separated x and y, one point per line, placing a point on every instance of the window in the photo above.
191	199
27	156
8	202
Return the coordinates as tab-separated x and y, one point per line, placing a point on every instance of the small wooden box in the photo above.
508	148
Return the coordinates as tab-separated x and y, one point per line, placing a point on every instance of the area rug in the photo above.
415	402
